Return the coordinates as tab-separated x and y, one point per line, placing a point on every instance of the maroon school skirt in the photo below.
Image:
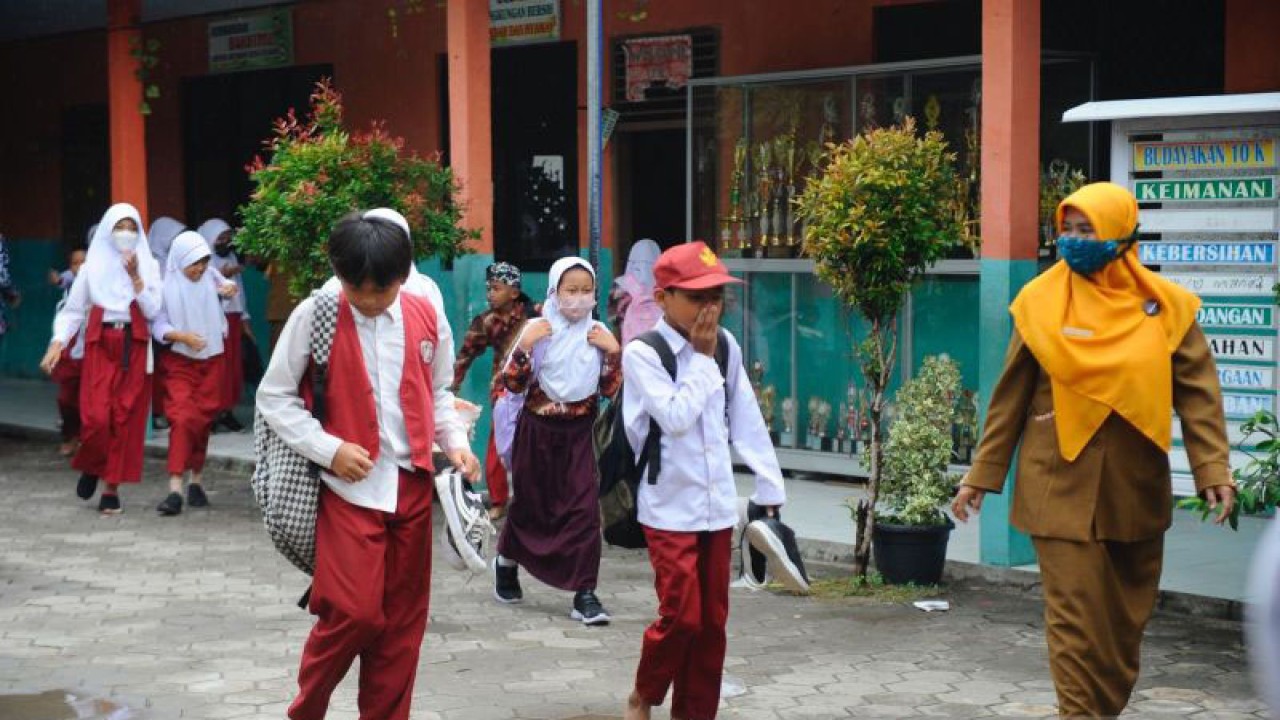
553	520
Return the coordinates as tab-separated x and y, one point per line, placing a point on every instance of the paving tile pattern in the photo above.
194	617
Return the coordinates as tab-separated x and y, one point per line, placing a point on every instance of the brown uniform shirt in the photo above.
1118	488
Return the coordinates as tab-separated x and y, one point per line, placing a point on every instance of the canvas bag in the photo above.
286	484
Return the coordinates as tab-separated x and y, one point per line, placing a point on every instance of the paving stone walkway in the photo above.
194	617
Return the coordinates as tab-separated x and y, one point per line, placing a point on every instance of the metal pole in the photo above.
595	51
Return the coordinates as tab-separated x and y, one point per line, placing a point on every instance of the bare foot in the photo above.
637	709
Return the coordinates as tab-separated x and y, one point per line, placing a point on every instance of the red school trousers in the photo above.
114	400
495	473
370	594
192	391
232	385
685	646
67	374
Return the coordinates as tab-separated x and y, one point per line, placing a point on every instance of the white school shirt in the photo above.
75	311
382	346
695	490
235	303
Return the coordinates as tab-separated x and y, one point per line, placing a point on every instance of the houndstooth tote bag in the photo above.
286	484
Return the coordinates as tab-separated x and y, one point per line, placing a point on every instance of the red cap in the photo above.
691	266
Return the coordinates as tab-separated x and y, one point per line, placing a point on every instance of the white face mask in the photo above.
124	240
576	307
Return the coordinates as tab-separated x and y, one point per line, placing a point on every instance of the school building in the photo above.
712	110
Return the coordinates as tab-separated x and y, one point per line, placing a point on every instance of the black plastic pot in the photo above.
911	553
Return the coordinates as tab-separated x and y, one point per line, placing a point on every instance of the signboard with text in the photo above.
1206	190
1223	154
523	21
252	41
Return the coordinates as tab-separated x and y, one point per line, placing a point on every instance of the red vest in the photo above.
139	328
349	399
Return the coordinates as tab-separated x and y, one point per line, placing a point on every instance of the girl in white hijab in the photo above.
193	325
114	299
561	364
632	309
160	238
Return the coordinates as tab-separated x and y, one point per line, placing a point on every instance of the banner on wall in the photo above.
666	61
252	41
513	22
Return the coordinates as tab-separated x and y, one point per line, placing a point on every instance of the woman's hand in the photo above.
603	339
1221	495
967	498
51	357
535	331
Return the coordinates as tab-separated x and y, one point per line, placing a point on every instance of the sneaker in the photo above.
506	584
196	496
754	564
171	505
109	505
778	543
450	550
159	422
587	608
86	486
466	519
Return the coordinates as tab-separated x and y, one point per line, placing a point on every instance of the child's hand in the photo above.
228	290
55	278
130	259
706	330
351	463
465	461
51	357
603	339
192	340
536	330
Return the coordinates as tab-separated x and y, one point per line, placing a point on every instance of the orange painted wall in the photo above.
1252	55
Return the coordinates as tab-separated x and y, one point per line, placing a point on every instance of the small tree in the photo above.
881	212
318	171
915	484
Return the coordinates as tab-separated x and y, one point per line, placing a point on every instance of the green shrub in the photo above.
916	485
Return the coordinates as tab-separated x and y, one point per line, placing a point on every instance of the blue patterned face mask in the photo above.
1086	256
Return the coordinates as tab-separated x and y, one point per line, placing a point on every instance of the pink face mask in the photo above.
576	307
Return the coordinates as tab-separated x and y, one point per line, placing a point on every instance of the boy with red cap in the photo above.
689	513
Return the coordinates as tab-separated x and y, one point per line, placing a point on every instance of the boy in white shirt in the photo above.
689	513
387	398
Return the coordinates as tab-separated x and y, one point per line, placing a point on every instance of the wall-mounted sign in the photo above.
1237	405
1210	155
1216	189
665	61
1207	253
1243	347
1259	285
1235	315
251	42
523	21
1246	377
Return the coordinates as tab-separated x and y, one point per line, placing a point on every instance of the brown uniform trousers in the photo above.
1097	523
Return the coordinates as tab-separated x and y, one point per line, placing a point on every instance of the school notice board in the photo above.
1207	189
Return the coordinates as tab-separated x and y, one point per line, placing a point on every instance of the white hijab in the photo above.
160	238
109	285
210	230
644	254
570	368
193	306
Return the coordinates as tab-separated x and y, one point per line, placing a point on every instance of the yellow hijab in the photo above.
1094	335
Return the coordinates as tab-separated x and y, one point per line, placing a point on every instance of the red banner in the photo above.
666	60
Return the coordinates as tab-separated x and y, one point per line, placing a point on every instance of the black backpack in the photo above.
617	463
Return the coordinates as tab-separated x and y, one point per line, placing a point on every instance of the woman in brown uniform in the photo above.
1103	352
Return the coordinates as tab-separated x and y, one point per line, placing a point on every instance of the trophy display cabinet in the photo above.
752	143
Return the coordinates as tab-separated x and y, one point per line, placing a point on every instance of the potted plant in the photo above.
878	215
911	532
317	171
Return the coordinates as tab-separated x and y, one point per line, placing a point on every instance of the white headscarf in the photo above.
109	285
640	262
193	306
570	369
210	230
160	237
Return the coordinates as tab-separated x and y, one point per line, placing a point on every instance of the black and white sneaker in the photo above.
467	524
778	543
755	566
587	608
450	550
506	584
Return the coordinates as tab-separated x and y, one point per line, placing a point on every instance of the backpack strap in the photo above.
324	325
652	452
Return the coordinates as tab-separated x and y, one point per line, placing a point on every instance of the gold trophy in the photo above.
784	241
764	197
731	228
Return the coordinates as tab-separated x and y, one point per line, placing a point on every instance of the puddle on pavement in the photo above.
62	705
